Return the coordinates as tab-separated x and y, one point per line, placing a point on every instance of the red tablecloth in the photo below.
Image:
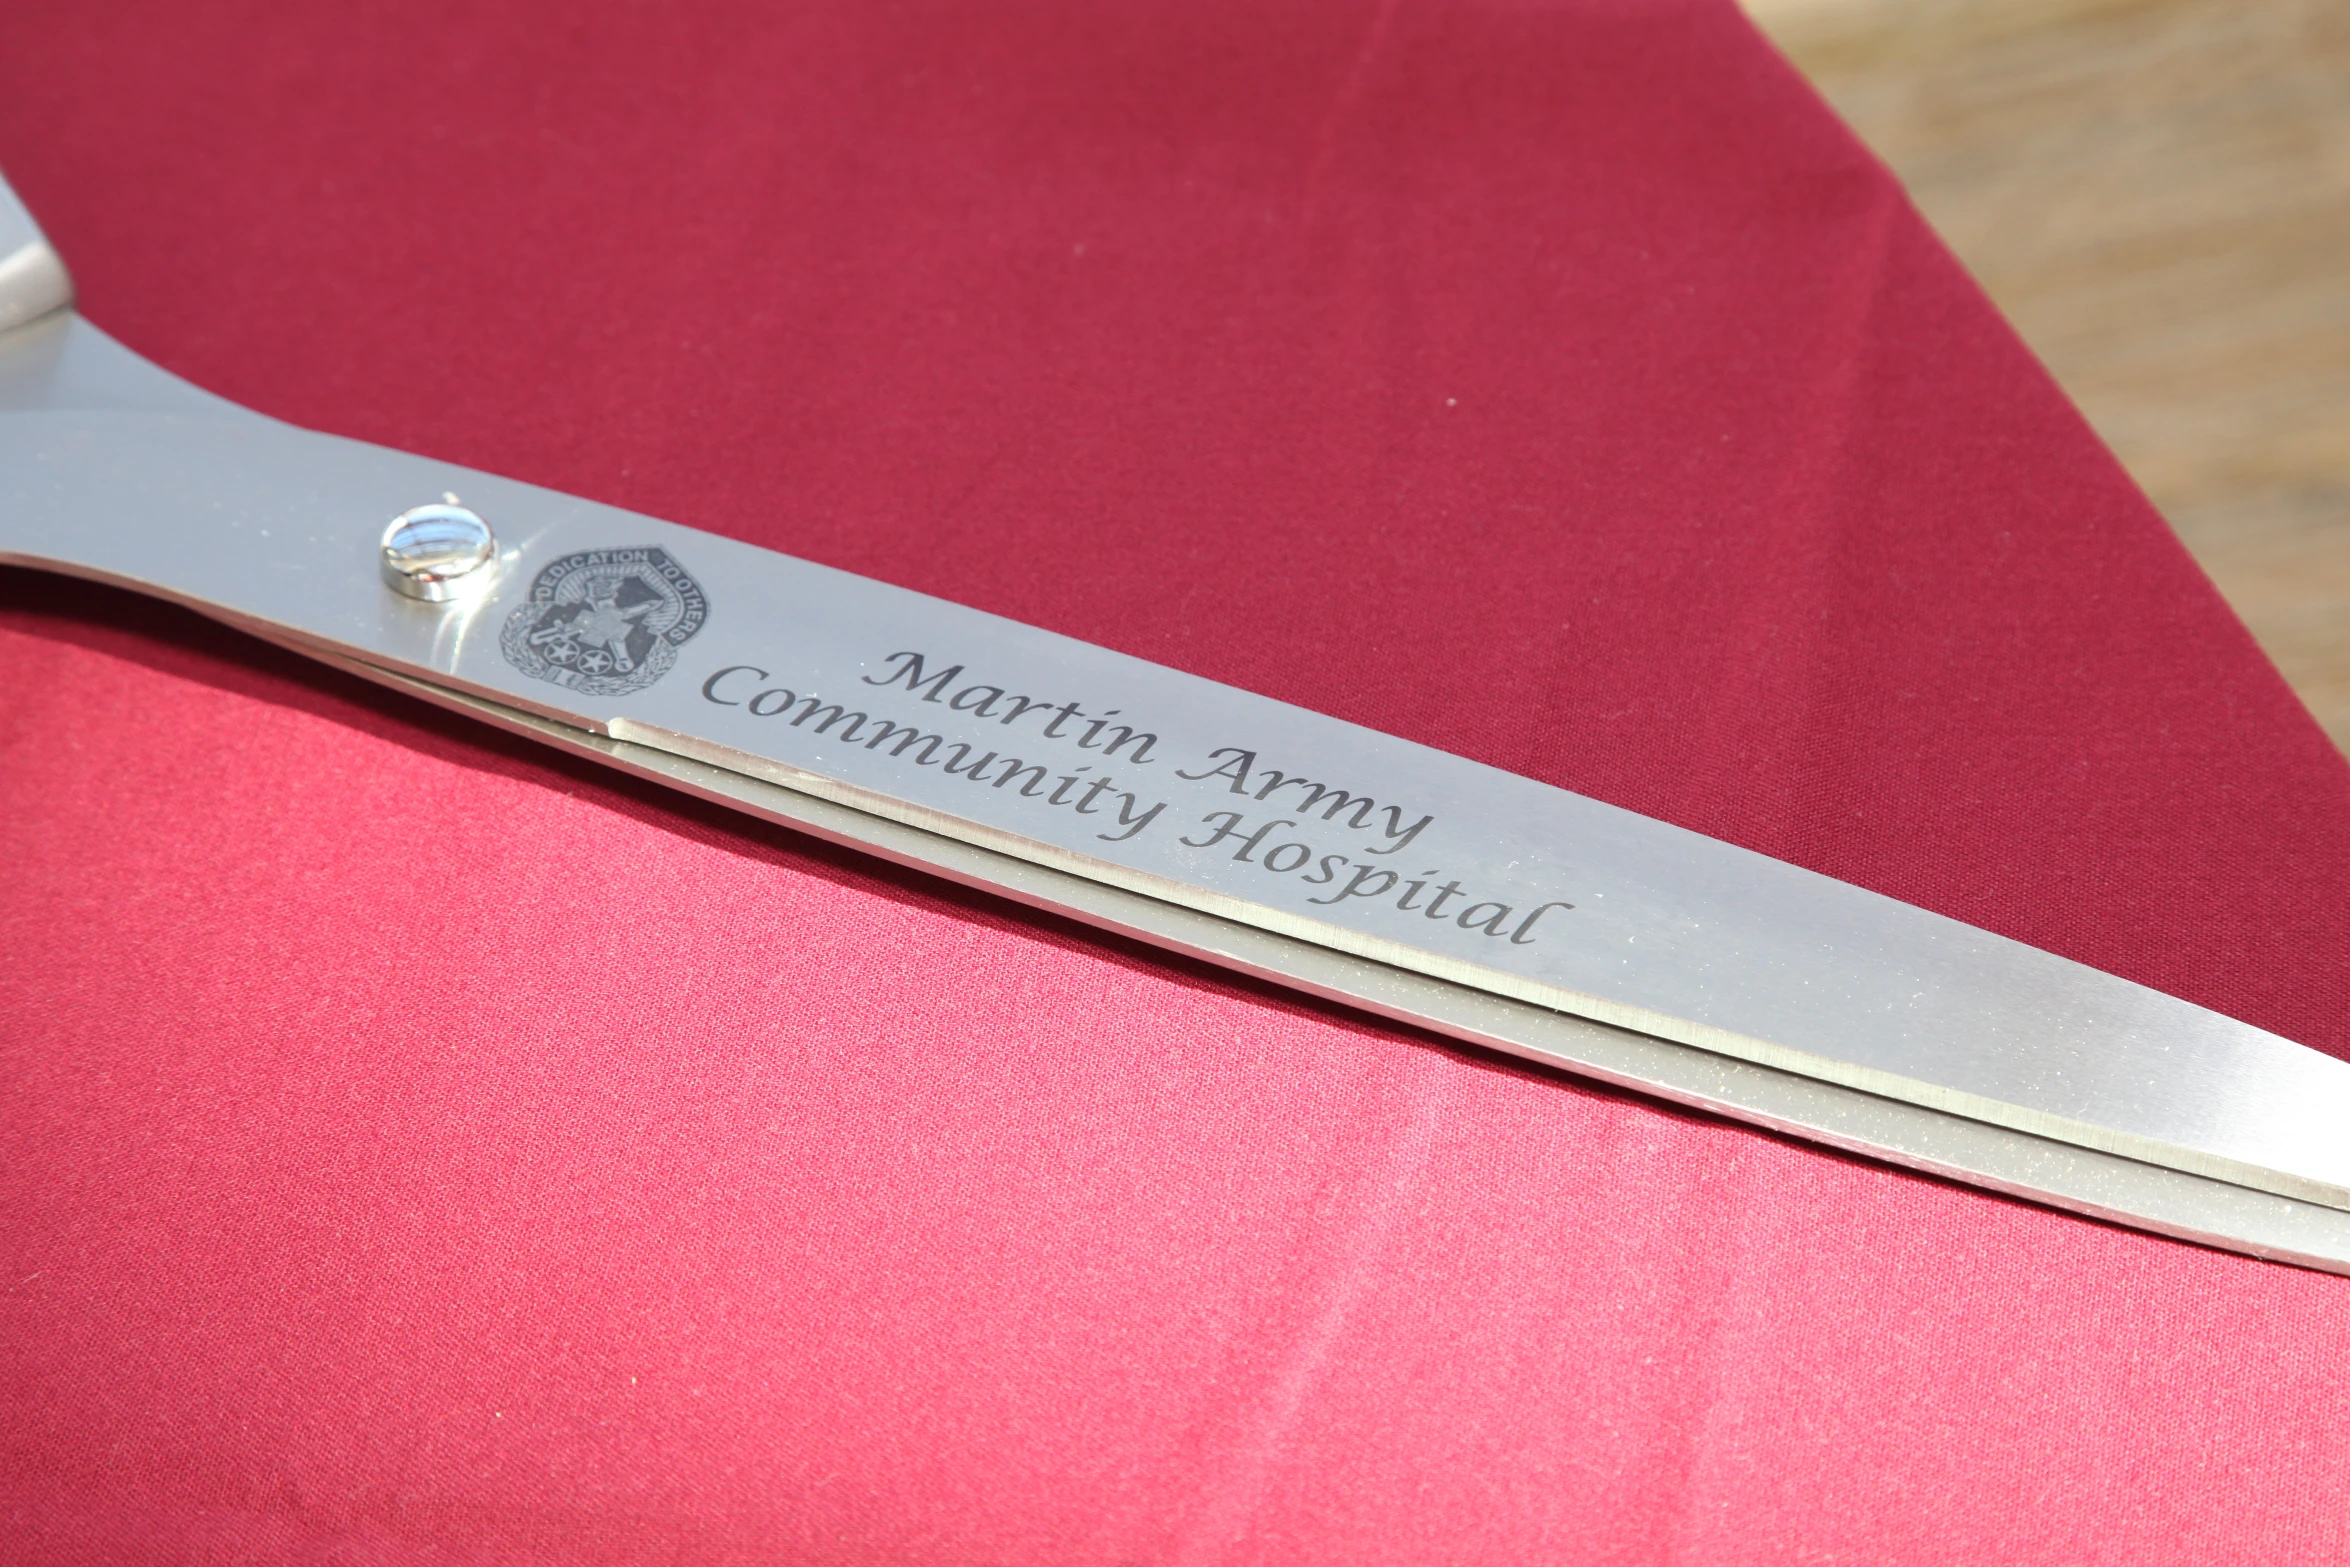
421	1150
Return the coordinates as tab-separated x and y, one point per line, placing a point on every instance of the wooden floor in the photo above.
2157	192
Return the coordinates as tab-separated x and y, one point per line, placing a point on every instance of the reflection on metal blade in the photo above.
2100	1185
1285	843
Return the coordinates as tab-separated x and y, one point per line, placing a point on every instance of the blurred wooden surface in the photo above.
2157	192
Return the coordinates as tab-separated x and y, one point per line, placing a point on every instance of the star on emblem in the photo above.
605	624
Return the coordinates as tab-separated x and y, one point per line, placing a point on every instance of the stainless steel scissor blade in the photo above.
1355	865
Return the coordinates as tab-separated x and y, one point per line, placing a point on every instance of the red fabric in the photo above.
419	1149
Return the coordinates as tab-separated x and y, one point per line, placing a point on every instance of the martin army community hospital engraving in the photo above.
1355	866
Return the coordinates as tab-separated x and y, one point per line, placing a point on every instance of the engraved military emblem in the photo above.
605	622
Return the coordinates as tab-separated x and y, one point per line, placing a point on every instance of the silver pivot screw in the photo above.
438	553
